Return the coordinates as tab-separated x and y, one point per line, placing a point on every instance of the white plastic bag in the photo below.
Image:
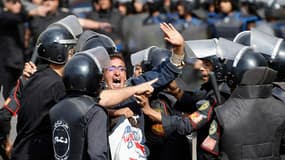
126	142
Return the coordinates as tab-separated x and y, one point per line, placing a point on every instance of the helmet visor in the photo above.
265	43
201	48
228	49
140	56
72	24
99	55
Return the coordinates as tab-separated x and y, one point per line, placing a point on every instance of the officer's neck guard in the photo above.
258	76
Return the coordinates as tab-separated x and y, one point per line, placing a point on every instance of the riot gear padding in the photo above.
83	73
247	60
243	38
259	76
251	106
54	43
90	39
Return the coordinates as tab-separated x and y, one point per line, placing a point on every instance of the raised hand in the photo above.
177	41
172	35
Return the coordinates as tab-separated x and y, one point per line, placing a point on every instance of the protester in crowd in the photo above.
105	12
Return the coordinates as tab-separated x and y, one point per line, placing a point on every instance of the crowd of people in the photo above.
23	21
82	89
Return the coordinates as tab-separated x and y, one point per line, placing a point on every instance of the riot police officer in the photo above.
200	120
250	111
239	59
55	46
171	124
85	123
274	53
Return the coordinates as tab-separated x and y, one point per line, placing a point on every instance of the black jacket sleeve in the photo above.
5	126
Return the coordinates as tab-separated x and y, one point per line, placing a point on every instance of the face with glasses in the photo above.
115	75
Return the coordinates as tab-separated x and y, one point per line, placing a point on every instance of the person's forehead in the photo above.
117	62
198	61
138	66
201	62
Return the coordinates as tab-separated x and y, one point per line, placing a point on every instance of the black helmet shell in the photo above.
54	43
81	74
247	61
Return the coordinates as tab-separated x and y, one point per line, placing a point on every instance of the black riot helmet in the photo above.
150	58
248	60
273	49
206	50
238	59
90	39
83	73
55	42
